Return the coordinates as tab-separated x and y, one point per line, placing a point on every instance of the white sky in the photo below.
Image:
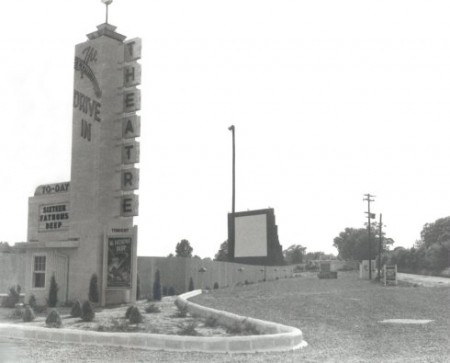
330	99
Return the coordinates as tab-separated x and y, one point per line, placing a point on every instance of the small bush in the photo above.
117	325
28	314
17	312
164	291
242	327
152	309
53	320
216	285
128	312
76	309
171	291
191	285
13	297
211	322
188	329
87	312
182	311
135	316
93	289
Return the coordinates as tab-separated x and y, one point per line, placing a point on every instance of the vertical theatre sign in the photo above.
130	128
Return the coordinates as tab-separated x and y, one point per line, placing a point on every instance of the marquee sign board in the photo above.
53	217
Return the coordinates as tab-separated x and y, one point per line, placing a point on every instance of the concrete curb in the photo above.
275	337
279	337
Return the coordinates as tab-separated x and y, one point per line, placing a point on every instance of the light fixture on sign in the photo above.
107	3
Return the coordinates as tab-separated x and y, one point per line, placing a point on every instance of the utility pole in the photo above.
380	245
368	197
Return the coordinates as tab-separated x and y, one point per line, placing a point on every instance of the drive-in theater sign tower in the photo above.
85	226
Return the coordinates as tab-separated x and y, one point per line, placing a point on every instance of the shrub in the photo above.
242	327
216	286
164	291
128	312
135	316
171	291
182	311
191	285
211	322
76	309
87	312
17	312
93	289
32	301
188	329
53	293
13	297
53	320
157	286
152	308
28	314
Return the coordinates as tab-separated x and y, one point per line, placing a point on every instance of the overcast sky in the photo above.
330	99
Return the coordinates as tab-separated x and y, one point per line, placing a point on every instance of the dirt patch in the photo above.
167	321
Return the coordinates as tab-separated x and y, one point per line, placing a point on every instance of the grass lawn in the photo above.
340	318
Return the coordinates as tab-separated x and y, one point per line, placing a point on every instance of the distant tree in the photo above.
53	293
183	249
294	254
197	257
436	232
93	289
222	253
319	255
353	243
157	286
170	255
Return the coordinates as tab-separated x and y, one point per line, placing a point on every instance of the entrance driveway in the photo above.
428	281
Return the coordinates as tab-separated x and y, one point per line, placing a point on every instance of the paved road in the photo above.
428	281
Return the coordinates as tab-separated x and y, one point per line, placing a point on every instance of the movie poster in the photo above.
119	262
